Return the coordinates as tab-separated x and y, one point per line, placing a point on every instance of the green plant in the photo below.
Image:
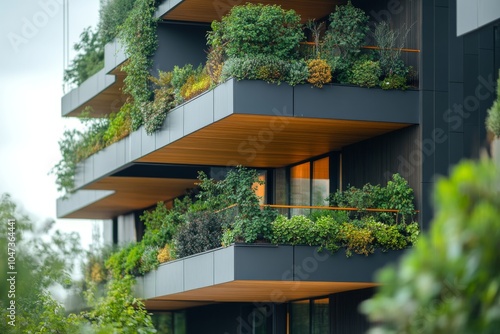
294	231
365	73
201	232
493	117
396	195
346	33
357	239
215	61
448	283
390	43
320	72
118	311
89	59
386	236
112	14
256	29
267	68
394	81
155	112
195	85
139	23
149	259
165	254
119	125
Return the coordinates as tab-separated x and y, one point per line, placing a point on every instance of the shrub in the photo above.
215	61
195	85
394	81
320	72
89	59
357	239
165	254
390	43
268	68
365	73
256	29
155	112
294	231
140	22
344	38
493	117
202	232
149	259
386	236
297	72
119	125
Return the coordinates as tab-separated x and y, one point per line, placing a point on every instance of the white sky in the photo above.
31	72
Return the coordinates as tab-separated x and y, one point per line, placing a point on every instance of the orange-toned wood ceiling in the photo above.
208	11
266	141
250	140
253	291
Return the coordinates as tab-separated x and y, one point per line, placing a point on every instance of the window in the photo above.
310	316
310	184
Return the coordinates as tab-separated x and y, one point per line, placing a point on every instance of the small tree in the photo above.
257	29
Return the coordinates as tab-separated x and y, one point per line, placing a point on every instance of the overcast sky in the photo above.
31	71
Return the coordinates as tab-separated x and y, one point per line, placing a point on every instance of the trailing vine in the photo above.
138	33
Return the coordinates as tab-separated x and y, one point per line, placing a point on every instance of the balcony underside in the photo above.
208	11
257	273
248	123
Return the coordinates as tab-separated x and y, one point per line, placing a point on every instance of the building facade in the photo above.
305	142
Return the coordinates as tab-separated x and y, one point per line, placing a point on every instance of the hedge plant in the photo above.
257	29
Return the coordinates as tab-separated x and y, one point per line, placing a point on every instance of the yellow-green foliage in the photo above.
357	239
195	85
320	72
165	254
120	125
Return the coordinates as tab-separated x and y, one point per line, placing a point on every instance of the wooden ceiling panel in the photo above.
208	11
260	141
257	291
131	193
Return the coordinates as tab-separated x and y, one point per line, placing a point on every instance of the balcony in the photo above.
257	273
249	123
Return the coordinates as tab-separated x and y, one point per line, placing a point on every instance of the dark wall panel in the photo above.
346	318
179	44
377	159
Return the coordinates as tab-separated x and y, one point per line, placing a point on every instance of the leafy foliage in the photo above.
268	68
256	29
390	43
449	282
117	311
140	22
43	260
344	37
155	112
394	81
365	73
320	72
202	232
493	117
397	195
89	59
111	16
76	146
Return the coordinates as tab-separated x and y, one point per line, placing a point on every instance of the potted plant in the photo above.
493	124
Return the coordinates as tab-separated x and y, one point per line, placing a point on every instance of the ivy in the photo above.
138	34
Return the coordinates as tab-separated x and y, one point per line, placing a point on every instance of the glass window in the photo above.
300	187
260	189
321	181
299	317
320	316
